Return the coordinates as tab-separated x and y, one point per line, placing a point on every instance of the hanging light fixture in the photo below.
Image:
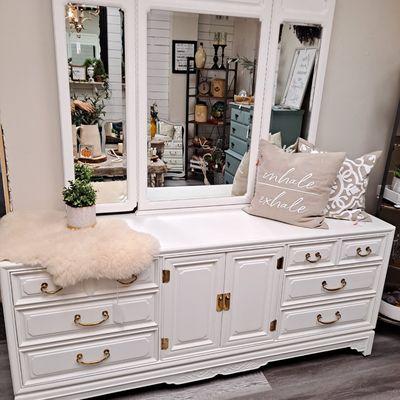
76	15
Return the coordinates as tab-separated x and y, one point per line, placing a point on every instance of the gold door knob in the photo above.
128	282
343	284
77	320
368	251
316	259
79	358
337	314
44	286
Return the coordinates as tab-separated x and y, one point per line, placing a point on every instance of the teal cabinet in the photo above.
288	122
239	139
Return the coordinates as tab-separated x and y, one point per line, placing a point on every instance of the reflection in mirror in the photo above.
95	47
201	85
298	51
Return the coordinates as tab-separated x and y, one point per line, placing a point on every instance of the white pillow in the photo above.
239	186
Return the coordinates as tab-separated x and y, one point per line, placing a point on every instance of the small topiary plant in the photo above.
79	194
397	172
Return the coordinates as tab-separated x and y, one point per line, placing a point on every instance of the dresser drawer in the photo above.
300	288
362	250
84	319
314	255
238	145
324	318
37	286
232	162
228	178
240	131
89	358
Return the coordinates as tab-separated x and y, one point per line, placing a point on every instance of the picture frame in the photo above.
78	73
181	50
303	62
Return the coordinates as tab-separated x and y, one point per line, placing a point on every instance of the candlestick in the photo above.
215	58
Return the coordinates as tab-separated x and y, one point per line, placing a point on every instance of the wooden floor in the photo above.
337	375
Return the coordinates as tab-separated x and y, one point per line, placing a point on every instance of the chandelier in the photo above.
76	15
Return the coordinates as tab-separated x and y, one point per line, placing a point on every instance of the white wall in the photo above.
360	96
184	27
362	81
159	60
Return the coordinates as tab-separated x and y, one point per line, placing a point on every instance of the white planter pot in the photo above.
396	184
81	217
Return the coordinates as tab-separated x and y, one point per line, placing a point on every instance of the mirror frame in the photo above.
130	100
257	9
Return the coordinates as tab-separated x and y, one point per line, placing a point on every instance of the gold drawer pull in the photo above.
79	357
220	302
367	249
319	319
343	282
77	320
127	282
45	285
227	301
317	257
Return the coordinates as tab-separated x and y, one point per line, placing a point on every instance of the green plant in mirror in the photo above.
397	172
83	173
90	109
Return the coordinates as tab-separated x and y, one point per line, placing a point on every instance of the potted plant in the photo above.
86	115
80	199
396	180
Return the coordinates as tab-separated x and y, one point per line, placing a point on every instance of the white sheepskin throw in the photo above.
109	250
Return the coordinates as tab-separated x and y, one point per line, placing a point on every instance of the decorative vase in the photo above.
396	184
89	135
200	57
90	72
153	127
200	112
218	87
81	217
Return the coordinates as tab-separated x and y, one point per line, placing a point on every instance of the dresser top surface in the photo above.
193	231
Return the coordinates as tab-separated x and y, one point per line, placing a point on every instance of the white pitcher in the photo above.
90	135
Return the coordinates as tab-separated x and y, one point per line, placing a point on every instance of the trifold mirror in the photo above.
201	85
166	105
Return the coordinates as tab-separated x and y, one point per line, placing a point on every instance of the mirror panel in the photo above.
96	74
298	53
200	103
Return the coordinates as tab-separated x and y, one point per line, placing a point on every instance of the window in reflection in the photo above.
95	47
201	85
298	55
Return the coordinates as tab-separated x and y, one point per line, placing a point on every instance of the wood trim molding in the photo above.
4	174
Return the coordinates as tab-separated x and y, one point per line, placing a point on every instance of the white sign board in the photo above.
299	75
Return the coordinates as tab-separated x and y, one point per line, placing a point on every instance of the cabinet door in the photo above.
252	280
191	322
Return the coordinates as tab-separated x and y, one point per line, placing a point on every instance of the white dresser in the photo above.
230	292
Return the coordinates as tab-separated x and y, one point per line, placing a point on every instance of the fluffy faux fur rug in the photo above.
109	250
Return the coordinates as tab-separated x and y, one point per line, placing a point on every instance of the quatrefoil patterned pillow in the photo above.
347	196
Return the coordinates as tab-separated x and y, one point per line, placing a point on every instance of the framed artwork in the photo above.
299	75
181	50
78	73
5	202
